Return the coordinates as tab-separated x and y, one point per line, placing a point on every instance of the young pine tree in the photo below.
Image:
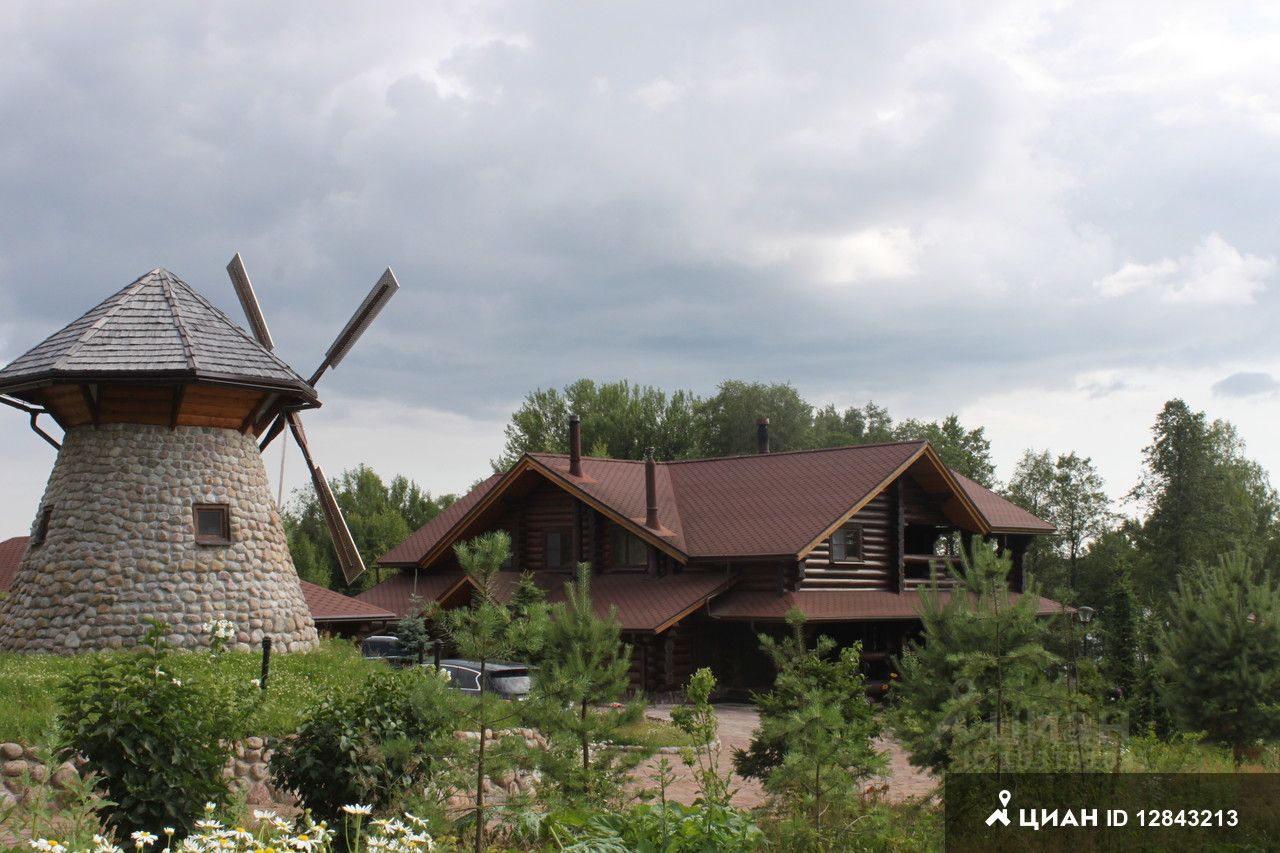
814	744
979	669
485	632
1219	654
583	673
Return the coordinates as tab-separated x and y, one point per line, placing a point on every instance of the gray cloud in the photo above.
1246	384
863	200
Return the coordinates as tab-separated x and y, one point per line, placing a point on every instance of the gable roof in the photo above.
644	606
327	606
156	327
396	594
775	505
1003	515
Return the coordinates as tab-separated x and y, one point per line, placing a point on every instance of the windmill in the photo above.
158	505
384	288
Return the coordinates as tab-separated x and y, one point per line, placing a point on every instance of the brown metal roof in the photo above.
647	604
396	594
329	606
410	551
11	551
738	507
156	327
1003	516
837	605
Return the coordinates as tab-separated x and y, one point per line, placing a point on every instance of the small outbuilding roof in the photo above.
158	327
11	551
327	606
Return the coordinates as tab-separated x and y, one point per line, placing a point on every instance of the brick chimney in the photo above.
575	446
762	435
650	490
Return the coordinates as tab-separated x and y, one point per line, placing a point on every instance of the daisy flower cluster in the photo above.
222	630
272	834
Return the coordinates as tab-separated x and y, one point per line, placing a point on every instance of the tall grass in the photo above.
29	684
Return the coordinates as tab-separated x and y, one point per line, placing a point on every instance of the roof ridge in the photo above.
166	285
687	461
218	312
122	296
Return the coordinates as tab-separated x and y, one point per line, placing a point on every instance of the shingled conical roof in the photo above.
156	327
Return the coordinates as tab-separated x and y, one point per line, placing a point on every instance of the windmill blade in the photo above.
249	301
383	289
343	543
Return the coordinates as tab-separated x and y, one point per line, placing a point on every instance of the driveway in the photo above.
737	722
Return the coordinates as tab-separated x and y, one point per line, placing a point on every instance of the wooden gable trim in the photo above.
637	529
958	495
925	452
527	463
446	541
860	505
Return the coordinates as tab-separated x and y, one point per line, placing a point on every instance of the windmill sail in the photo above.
344	546
249	301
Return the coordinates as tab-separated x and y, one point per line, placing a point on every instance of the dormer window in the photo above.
846	544
213	524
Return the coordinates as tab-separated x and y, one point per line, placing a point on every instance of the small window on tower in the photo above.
213	524
42	526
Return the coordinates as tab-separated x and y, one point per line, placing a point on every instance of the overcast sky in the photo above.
1048	218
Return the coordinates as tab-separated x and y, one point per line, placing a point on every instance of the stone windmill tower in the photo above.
158	505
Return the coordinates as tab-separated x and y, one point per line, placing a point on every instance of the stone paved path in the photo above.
736	725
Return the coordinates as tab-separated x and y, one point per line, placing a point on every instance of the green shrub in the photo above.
153	738
666	827
373	744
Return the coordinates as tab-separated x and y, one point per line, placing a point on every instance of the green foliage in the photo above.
618	419
412	631
621	420
1203	498
584	672
380	516
1067	492
30	697
153	738
814	744
698	719
1120	620
666	827
807	680
488	631
372	744
1220	653
728	419
980	665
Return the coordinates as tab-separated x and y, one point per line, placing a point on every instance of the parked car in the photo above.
502	678
385	647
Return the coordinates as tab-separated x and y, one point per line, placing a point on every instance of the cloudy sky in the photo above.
1048	218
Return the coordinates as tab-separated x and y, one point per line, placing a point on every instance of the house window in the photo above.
846	544
628	551
42	526
559	549
213	524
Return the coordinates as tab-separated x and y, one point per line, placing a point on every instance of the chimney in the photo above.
762	435
650	490
575	445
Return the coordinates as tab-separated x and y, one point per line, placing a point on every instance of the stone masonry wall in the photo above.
121	546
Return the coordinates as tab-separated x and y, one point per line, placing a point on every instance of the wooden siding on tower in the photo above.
201	405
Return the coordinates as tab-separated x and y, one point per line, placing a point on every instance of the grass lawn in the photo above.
29	684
